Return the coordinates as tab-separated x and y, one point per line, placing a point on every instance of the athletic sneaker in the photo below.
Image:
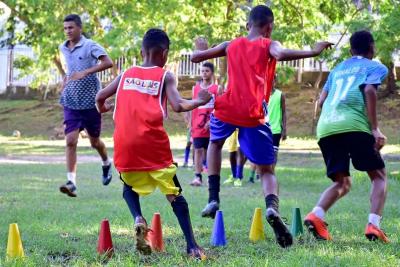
283	236
141	231
197	253
317	227
373	233
107	174
196	182
210	210
230	180
69	188
237	183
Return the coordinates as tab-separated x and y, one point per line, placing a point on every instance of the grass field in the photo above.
60	231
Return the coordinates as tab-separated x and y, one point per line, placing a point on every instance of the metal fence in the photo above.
10	75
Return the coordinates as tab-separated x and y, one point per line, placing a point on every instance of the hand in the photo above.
107	106
204	96
284	136
77	75
207	126
321	46
220	90
201	43
380	139
64	83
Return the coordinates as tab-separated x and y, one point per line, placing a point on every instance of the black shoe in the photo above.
251	180
210	209
69	188
282	234
107	174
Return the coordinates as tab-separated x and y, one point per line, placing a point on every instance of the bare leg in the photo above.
340	187
99	145
378	192
214	157
198	159
70	150
268	180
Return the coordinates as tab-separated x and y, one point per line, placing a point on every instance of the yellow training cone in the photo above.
14	245
257	227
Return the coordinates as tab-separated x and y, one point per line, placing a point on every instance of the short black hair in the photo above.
261	15
75	18
155	39
361	42
209	65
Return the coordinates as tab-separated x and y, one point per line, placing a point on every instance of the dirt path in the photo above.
60	159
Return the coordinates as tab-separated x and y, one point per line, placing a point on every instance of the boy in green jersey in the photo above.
348	129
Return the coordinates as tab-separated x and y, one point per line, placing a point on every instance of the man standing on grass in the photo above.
78	98
348	129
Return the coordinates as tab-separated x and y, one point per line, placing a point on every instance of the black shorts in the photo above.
338	149
201	142
276	139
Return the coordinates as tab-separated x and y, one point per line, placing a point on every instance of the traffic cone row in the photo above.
105	245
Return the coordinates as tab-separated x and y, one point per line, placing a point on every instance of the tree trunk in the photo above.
316	97
391	79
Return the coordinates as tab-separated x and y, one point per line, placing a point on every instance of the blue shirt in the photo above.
80	94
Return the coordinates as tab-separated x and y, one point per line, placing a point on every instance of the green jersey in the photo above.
344	108
275	112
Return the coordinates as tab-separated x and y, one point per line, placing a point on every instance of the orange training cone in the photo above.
155	235
105	245
14	244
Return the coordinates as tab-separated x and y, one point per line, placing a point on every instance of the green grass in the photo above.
61	231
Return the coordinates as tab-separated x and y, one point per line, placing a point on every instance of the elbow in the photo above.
195	58
177	108
110	64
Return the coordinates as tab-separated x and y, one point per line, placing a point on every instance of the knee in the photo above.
345	184
179	202
265	169
218	144
71	142
95	142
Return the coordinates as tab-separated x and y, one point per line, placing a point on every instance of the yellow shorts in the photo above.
146	182
232	141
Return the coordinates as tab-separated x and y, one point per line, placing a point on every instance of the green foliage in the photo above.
285	75
119	25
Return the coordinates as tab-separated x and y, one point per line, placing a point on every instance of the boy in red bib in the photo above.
251	68
201	119
142	152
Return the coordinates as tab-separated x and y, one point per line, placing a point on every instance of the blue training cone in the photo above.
218	234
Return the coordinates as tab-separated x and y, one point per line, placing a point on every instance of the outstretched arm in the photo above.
101	96
203	53
283	54
178	103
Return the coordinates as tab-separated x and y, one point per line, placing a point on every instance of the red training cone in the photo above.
155	235
105	245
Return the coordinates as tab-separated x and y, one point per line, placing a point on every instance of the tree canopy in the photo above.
119	25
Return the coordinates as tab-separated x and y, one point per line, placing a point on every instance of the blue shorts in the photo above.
255	142
89	119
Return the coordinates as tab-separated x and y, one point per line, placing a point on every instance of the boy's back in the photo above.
141	143
250	76
344	108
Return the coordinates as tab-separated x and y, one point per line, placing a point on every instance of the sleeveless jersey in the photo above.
275	112
344	108
201	115
250	76
140	141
